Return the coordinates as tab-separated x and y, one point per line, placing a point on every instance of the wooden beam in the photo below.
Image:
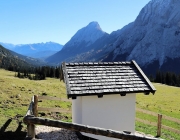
54	110
53	98
144	76
146	122
31	130
84	128
73	97
123	94
171	129
100	95
147	112
171	119
30	109
35	110
159	123
30	127
66	79
146	93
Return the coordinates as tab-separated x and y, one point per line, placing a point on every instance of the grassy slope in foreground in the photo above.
166	101
16	94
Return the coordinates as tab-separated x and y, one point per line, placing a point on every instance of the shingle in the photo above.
94	78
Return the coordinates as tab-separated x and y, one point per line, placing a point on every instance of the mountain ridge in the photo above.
81	42
13	61
35	50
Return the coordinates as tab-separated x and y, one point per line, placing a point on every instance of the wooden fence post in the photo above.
159	125
35	110
31	131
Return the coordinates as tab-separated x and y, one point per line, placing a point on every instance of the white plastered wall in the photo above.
111	112
77	110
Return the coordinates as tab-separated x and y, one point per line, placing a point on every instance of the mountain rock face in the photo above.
80	43
153	39
38	50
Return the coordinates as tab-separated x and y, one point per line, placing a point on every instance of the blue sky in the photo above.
36	21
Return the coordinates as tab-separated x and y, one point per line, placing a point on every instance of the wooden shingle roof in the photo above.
101	78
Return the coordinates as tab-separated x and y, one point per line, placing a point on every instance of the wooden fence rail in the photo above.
147	112
33	111
171	119
146	122
53	98
159	121
155	114
31	119
84	128
36	108
53	110
171	129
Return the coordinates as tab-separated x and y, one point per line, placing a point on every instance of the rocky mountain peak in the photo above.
94	25
89	34
80	43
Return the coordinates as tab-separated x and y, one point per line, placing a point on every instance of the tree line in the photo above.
168	78
39	73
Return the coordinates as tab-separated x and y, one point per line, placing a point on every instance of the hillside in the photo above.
8	60
15	96
13	61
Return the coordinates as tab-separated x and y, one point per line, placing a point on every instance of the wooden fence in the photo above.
34	108
159	121
31	126
31	119
49	109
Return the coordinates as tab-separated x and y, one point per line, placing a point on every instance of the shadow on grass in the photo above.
10	135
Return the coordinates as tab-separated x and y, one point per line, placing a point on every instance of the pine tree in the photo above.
18	75
57	72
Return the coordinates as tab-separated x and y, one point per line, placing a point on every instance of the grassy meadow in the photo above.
16	94
166	101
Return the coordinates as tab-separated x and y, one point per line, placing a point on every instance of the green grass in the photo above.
16	94
152	130
166	102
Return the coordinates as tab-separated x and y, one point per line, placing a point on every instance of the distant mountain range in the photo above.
10	60
152	40
36	50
